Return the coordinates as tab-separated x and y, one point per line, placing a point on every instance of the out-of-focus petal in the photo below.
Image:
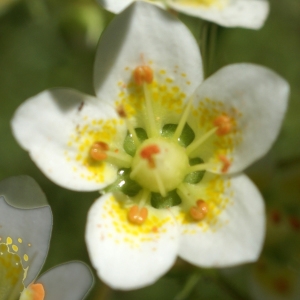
69	281
26	231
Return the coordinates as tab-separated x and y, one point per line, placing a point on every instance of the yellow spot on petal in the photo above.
15	248
8	241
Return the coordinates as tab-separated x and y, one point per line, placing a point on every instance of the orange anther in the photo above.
148	152
38	292
199	211
97	151
224	124
121	111
142	74
226	163
137	215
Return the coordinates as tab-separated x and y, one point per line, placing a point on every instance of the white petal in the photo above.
69	281
237	235
144	34
128	256
115	6
229	13
256	99
26	231
58	127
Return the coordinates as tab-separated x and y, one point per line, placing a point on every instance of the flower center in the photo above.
11	274
159	165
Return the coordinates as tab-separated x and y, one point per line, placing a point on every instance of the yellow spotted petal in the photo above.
127	255
58	127
233	230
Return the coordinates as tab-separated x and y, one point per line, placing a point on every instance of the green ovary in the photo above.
11	274
159	164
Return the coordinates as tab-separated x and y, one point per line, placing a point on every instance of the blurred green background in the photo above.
52	43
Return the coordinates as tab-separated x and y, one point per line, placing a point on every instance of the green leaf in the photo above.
186	137
124	184
129	145
195	177
158	201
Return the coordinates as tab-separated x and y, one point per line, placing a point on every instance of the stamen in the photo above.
122	113
148	152
183	119
200	167
224	124
195	144
38	291
149	110
143	74
137	215
199	211
184	192
226	163
98	151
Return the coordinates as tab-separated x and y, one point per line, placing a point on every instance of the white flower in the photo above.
165	150
229	13
25	230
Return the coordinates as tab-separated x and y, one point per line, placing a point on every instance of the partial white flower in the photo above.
229	13
164	146
25	230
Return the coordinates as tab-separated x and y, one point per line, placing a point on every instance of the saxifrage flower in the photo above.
163	146
25	230
229	13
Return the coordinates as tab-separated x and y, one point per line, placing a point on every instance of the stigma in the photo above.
148	152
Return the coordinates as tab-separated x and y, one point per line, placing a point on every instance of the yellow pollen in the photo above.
199	211
97	151
224	124
137	215
143	74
